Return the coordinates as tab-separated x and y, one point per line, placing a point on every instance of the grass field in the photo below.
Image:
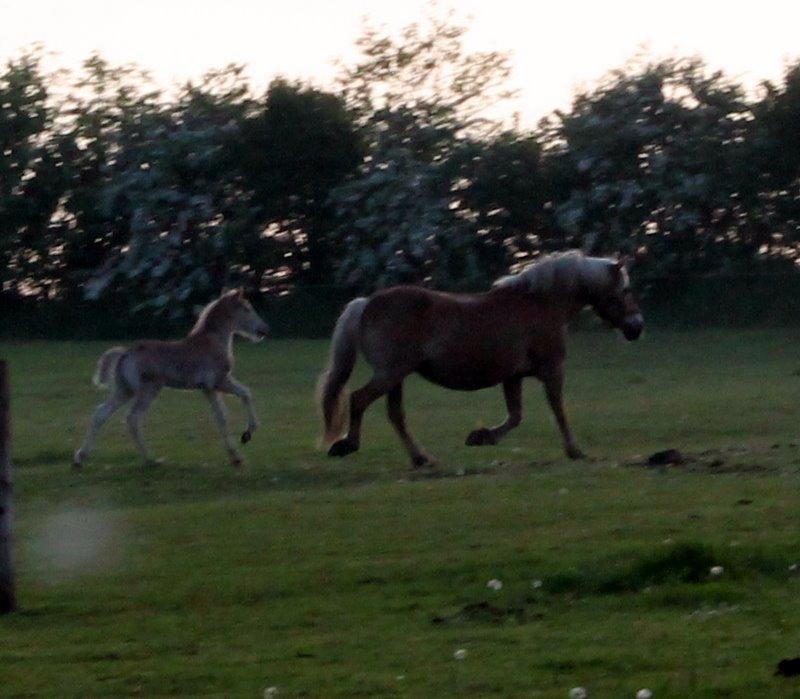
360	578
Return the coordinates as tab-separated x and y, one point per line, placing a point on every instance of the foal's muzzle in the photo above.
632	326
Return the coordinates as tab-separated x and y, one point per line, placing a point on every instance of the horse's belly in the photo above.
460	378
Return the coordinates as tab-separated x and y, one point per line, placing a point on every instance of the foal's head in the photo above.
238	314
613	301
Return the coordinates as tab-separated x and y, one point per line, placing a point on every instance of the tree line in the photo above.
112	188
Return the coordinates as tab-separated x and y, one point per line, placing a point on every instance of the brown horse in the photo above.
203	360
471	341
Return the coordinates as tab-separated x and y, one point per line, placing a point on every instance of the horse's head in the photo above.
615	304
246	322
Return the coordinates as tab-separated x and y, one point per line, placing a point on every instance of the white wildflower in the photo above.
495	584
460	654
644	694
536	584
578	693
716	570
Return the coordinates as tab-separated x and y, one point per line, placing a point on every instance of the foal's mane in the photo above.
210	316
560	274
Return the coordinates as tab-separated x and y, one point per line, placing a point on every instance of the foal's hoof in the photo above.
574	453
342	448
237	462
480	438
77	465
247	435
423	461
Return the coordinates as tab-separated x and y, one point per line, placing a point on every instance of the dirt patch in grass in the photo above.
486	613
715	461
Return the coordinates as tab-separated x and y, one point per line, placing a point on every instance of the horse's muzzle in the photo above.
632	327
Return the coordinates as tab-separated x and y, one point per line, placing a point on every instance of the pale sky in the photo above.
555	46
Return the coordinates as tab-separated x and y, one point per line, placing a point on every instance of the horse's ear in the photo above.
240	292
640	255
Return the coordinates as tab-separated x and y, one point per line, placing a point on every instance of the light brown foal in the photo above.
203	361
471	341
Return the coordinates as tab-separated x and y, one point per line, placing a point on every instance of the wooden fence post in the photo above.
8	598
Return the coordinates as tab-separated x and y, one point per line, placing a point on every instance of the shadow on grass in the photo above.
678	564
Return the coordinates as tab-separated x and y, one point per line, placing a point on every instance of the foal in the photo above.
203	360
471	341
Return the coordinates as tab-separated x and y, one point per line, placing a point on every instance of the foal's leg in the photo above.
231	385
512	390
220	415
394	406
146	394
116	399
553	379
360	400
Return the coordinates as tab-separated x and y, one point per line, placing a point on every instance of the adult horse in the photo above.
203	360
471	341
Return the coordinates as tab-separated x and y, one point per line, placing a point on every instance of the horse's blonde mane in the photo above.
560	274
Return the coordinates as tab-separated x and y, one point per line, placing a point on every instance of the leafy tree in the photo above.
293	148
772	168
419	99
647	158
31	184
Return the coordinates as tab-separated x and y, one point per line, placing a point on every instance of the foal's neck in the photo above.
221	332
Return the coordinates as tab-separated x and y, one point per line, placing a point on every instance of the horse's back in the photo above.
462	341
193	362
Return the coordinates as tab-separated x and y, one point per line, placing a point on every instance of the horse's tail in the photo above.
106	366
331	393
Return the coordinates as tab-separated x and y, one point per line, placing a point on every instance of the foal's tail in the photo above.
106	366
331	393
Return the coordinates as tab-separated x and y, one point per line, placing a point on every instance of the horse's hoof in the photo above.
423	461
480	438
342	448
77	465
574	453
247	435
237	462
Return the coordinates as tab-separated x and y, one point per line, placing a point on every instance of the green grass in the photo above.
360	578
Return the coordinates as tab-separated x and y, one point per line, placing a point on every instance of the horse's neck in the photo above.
222	335
564	309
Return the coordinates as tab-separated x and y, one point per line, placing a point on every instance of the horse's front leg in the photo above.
231	385
512	390
553	379
221	418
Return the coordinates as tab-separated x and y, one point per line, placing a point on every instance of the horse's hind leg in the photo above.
397	416
220	416
360	400
116	399
143	398
512	390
